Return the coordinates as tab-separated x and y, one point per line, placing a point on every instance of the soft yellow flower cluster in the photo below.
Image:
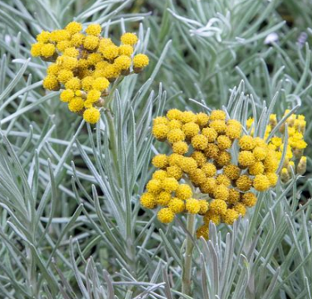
85	65
201	162
294	161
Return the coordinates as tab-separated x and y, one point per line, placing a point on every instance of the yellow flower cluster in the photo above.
201	162
85	64
294	161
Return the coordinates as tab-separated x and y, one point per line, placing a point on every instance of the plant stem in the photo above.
187	267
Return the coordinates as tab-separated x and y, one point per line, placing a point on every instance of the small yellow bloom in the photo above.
100	84
91	42
210	133
209	169
148	201
163	198
125	50
174	172
160	161
160	131
249	199
192	205
129	39
94	29
184	192
176	205
50	82
261	182
175	135
140	61
218	206
180	147
232	171
153	186
244	183
67	95
47	50
230	216
246	143
76	104
190	129
160	174
217	115
170	184
199	142
73	27
165	215
246	158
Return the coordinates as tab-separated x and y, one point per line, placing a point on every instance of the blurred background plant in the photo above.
70	221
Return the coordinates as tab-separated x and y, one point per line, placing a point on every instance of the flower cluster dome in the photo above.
85	64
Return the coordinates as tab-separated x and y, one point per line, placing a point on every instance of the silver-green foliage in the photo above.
70	220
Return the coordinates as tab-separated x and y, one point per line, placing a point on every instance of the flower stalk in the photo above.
187	267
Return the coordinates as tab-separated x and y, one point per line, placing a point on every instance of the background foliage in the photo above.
70	222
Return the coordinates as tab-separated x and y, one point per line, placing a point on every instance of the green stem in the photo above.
187	267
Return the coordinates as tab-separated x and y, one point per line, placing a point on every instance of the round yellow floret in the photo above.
218	207
246	142
208	185
125	50
175	124
91	42
180	147
234	196
202	119
175	135
240	208
123	62
153	186
199	157
170	184
163	198
64	76
71	52
111	72
230	216
73	84
174	114
257	168
160	161
73	27
91	115
199	142
63	45
100	84
272	177
68	62
211	216
93	96
36	49
209	169
175	172
175	159
188	164
190	129
59	35
212	151
246	158
232	171
67	95
233	131
223	180
217	115
93	29
176	205
197	176
76	104
50	82
192	205
188	116
77	39
244	183
53	69
204	205
160	120
160	175
43	37
140	61
249	199
259	153
165	215
261	182
223	158
160	131
110	52
87	82
148	201
224	142
203	232
221	192
129	39
47	50
210	133
219	126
